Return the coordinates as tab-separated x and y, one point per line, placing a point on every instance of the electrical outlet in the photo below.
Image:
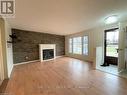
26	57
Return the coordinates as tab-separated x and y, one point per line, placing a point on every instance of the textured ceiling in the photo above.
65	17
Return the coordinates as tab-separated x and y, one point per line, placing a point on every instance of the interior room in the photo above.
63	47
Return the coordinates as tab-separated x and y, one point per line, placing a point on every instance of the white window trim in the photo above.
83	45
71	46
82	39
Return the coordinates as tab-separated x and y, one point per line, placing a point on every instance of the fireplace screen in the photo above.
48	54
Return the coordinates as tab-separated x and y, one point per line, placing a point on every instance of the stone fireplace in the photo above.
47	52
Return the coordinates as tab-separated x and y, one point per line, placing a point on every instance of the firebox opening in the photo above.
48	54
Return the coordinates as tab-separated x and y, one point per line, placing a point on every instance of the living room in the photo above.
67	47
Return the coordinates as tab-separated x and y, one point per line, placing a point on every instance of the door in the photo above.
111	46
121	50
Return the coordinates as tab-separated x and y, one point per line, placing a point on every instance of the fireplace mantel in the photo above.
46	46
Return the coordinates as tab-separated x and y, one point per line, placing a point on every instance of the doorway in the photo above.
111	55
111	43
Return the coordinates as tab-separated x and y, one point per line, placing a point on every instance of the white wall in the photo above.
99	57
6	49
3	48
9	48
2	60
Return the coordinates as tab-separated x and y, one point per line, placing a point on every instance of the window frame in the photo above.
84	44
77	44
70	45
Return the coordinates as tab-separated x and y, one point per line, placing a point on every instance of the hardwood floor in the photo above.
63	76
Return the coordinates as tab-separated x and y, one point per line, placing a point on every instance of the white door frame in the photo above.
1	60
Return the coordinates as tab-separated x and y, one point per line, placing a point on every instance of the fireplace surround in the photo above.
47	52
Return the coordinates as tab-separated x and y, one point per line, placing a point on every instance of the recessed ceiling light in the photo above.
111	19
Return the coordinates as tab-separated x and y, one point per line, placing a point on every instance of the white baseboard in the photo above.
34	61
9	73
59	56
25	62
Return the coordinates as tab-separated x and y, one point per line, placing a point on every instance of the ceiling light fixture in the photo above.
111	19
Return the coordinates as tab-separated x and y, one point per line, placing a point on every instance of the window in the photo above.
85	45
77	45
70	45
